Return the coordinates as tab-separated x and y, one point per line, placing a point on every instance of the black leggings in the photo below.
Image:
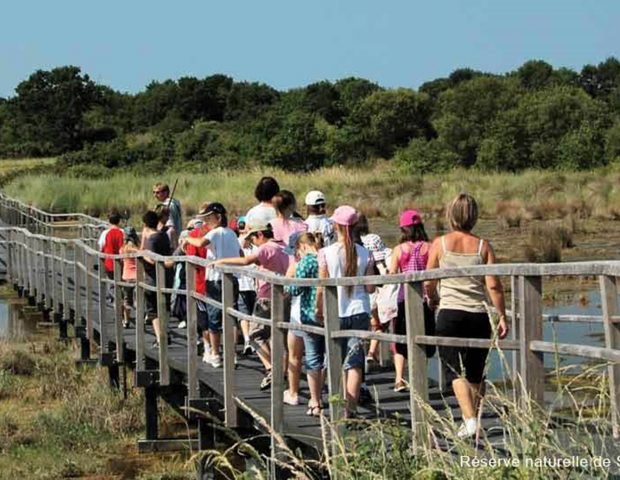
462	361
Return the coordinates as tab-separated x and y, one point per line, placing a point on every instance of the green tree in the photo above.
612	143
465	113
246	100
599	81
50	106
389	119
535	74
298	145
351	91
426	156
543	130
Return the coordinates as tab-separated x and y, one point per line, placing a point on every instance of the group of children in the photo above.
274	237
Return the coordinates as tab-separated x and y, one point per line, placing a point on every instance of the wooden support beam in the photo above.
609	301
530	310
228	339
417	364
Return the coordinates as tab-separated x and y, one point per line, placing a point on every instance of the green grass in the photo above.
380	191
58	420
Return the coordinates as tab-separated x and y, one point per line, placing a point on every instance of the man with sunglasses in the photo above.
161	191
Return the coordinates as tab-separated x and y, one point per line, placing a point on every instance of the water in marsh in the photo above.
586	303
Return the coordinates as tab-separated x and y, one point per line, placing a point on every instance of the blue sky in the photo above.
290	43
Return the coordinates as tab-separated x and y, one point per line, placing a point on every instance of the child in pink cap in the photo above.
345	258
410	255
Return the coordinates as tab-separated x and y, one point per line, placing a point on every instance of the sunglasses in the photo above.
157	192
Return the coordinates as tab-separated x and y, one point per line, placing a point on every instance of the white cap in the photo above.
315	197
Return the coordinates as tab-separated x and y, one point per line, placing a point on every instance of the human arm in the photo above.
196	241
496	291
394	260
433	263
241	261
318	313
370	270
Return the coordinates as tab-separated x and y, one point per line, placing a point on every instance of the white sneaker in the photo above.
206	357
182	325
216	361
468	428
290	399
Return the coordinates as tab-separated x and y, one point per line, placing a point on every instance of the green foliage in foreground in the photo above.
534	117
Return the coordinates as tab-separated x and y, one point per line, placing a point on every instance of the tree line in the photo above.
533	117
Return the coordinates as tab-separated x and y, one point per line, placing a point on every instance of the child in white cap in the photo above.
317	220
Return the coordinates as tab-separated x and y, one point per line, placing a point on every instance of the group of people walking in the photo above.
273	236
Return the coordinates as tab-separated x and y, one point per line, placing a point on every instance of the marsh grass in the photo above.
58	420
576	422
547	240
380	190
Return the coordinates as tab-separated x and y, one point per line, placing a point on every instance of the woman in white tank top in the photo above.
462	309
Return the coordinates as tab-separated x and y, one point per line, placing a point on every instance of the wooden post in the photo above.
118	310
39	279
89	263
532	366
162	315
77	283
228	339
102	289
609	300
514	305
277	365
52	297
64	273
140	360
333	352
9	256
193	388
416	361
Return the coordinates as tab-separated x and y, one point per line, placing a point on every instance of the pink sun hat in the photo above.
410	217
345	215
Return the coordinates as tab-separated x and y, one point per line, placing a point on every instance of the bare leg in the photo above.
245	329
264	354
215	337
464	395
375	326
156	328
399	367
315	384
295	355
353	383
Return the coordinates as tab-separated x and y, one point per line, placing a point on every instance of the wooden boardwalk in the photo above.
51	259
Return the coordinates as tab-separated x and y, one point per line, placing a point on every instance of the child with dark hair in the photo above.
410	255
221	242
264	212
129	272
111	241
285	224
156	241
269	255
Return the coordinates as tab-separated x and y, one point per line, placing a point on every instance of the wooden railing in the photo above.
35	251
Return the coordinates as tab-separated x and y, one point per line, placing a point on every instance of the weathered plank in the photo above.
530	311
609	300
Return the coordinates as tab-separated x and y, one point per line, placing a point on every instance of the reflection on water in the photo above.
13	324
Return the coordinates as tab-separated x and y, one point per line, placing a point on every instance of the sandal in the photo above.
314	410
401	386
